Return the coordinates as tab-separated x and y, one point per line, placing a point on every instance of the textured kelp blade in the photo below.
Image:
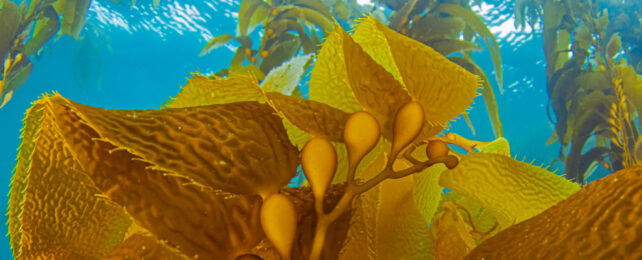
30	132
426	188
487	92
362	234
216	42
601	221
477	24
375	44
238	147
44	29
452	234
189	217
376	90
252	71
315	118
512	190
286	77
481	217
387	223
55	198
8	27
443	88
305	118
143	246
201	91
329	82
402	231
73	15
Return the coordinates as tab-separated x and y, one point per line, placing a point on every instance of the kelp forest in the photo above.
327	137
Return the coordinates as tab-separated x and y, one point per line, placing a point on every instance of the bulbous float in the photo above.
319	161
278	219
407	126
361	134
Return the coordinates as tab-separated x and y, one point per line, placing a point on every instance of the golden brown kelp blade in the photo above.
141	246
53	210
74	162
601	221
315	118
238	147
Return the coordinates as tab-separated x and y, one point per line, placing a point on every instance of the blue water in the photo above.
146	54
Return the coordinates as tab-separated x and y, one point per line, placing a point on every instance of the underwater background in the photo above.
136	57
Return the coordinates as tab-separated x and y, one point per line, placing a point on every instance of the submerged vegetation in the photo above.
204	177
208	175
595	94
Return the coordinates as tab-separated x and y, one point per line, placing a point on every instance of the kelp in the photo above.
590	97
206	175
451	28
288	26
578	226
26	28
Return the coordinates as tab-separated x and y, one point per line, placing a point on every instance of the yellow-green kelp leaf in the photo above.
402	231
201	90
216	42
443	88
44	29
478	26
73	15
453	238
329	81
286	77
387	224
375	89
601	221
8	27
374	42
51	198
512	190
497	146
